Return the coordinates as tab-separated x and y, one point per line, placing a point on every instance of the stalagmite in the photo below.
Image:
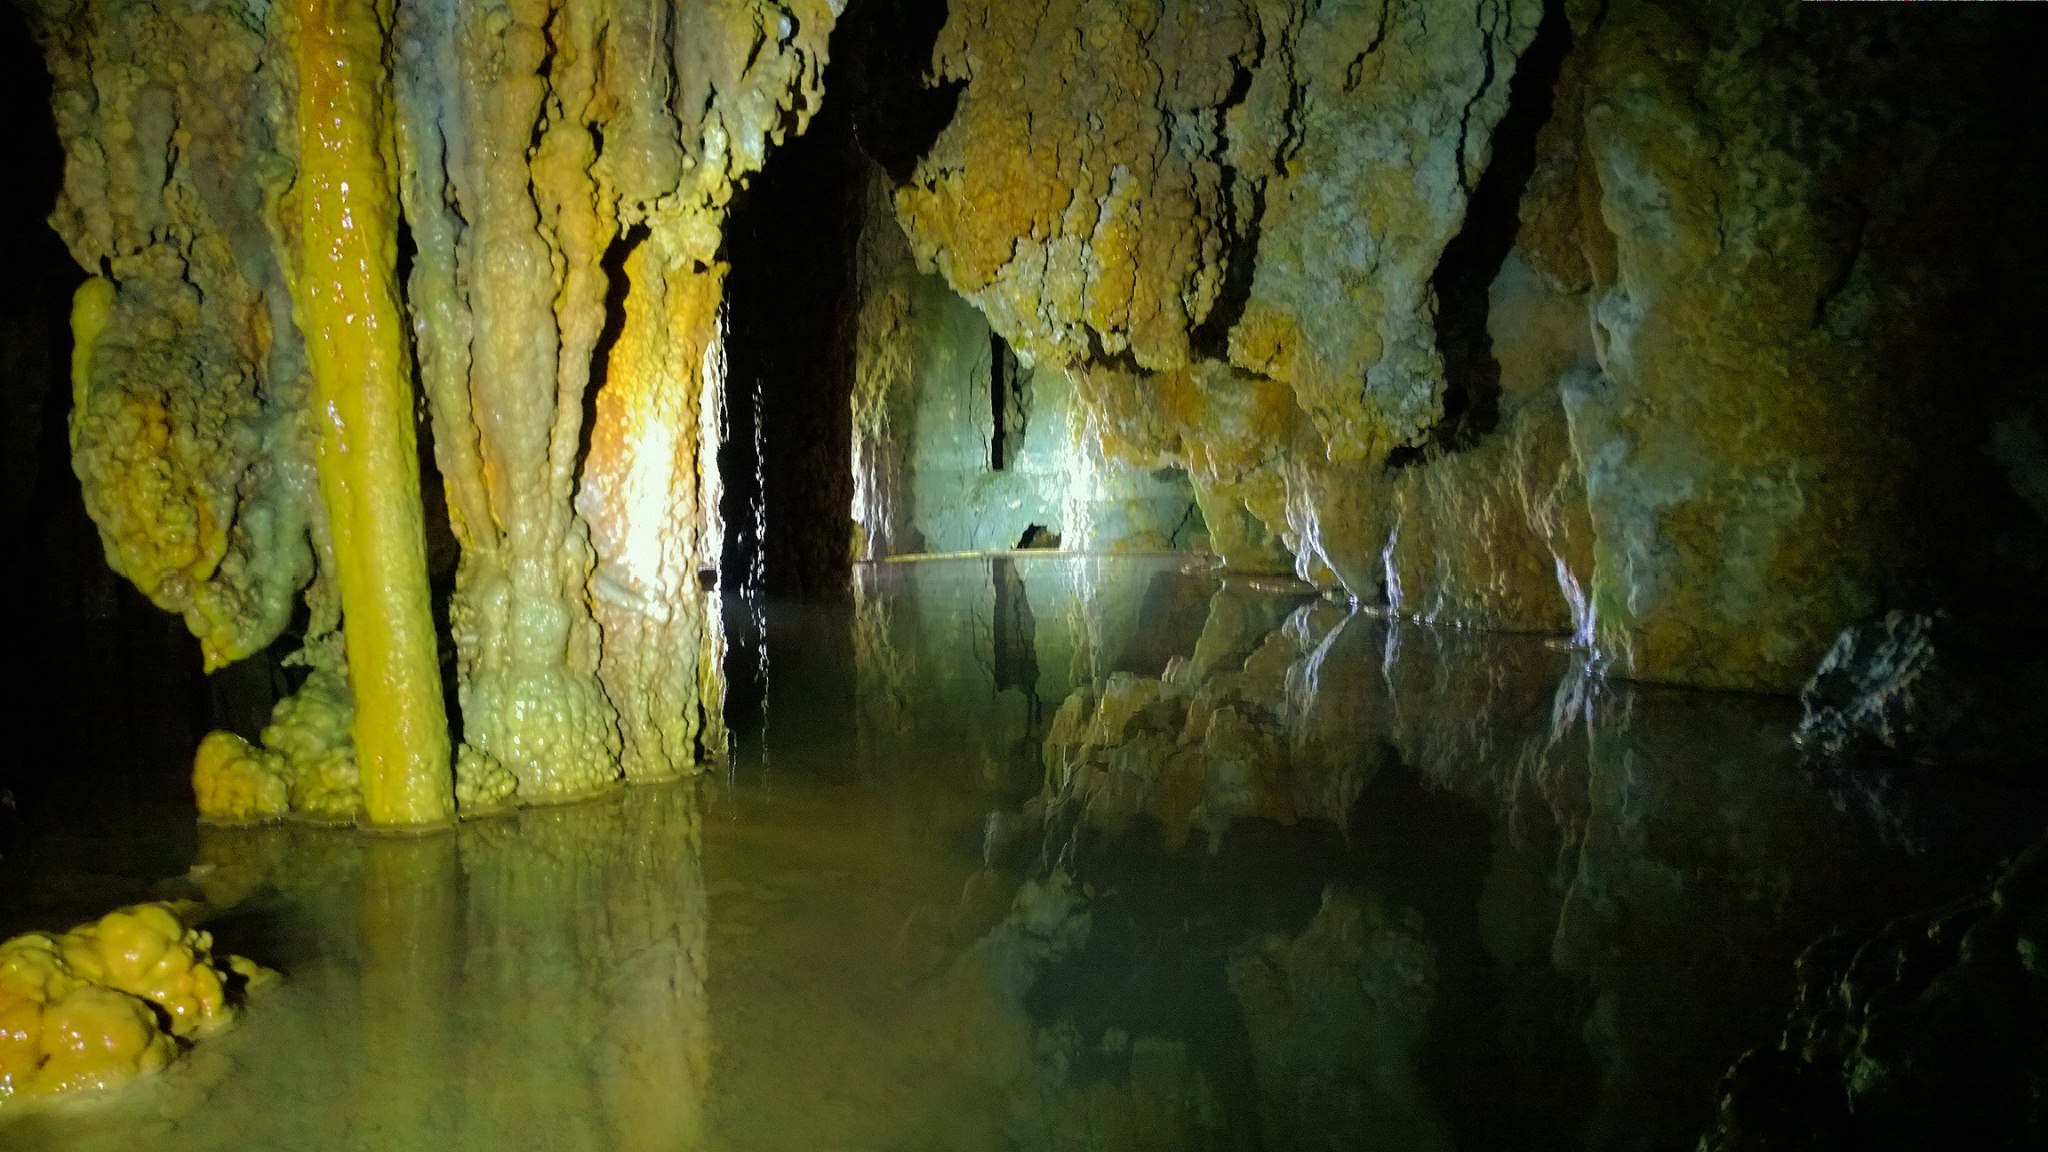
362	393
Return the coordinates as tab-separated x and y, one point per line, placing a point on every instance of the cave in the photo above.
776	574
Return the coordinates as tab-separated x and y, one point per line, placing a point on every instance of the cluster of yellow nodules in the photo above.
108	1001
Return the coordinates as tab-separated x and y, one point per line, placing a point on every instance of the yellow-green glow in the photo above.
363	408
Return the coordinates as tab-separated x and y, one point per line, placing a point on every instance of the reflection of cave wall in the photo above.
961	446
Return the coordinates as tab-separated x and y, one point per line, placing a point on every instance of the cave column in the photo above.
363	410
650	494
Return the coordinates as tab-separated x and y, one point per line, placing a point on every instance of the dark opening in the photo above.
881	51
792	309
1007	410
1036	537
1473	258
613	264
118	678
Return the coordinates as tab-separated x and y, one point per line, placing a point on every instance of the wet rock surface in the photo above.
1925	1033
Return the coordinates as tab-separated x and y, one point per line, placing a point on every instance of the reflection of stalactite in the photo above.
883	674
530	981
411	923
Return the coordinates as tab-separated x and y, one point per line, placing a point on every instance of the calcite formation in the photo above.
1721	252
347	308
106	1002
286	209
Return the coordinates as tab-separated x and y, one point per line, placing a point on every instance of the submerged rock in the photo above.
1926	1034
1925	690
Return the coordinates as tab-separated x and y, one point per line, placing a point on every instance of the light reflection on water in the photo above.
1290	876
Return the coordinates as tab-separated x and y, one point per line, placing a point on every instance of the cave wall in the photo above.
943	463
1694	331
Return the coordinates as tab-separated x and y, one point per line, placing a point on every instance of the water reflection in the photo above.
1105	854
535	981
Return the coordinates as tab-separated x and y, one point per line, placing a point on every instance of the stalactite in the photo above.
651	482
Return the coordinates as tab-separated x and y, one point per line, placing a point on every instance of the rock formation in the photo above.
548	179
958	446
95	1007
1623	320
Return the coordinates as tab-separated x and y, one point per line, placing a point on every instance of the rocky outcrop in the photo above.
1639	322
958	446
96	1007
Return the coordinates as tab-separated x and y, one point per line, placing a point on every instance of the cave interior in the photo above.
1171	574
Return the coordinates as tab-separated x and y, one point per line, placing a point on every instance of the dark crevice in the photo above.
616	286
1211	338
1038	537
792	242
1009	411
883	52
438	528
443	558
1473	258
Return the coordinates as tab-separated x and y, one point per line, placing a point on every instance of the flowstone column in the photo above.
650	492
363	408
508	298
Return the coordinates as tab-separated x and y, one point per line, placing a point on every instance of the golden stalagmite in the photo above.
363	402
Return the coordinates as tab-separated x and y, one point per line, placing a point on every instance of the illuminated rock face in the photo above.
1729	249
243	183
960	446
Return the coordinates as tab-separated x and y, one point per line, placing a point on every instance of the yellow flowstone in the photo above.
108	1001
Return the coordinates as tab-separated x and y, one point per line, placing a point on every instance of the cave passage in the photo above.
1443	576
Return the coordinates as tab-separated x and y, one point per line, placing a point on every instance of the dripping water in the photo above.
753	587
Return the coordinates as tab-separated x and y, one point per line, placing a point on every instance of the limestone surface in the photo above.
106	1002
1624	320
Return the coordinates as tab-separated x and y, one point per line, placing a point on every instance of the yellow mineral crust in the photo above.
237	783
108	1001
356	346
305	768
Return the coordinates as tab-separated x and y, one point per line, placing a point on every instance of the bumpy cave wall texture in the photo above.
294	210
1696	331
1699	330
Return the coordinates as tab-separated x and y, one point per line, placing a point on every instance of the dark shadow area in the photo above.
881	54
792	310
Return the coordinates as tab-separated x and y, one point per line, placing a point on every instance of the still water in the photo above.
1050	853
